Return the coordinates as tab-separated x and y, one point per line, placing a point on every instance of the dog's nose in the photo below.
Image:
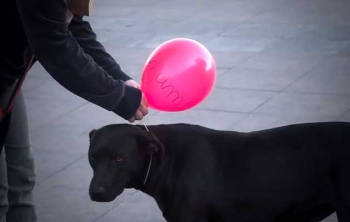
98	191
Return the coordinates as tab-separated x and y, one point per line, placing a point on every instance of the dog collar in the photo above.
150	162
149	168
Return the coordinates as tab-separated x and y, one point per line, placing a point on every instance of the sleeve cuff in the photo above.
129	103
119	74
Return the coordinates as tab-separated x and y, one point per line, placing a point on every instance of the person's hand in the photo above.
143	109
132	83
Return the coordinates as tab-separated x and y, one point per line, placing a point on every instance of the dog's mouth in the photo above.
106	197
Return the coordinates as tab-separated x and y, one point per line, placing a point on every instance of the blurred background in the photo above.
279	62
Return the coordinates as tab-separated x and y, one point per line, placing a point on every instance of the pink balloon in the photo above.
178	75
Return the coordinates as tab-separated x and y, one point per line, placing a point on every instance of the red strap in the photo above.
2	113
15	92
18	87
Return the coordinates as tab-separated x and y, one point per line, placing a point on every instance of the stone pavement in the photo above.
279	62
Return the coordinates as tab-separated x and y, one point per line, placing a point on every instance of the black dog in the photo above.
295	173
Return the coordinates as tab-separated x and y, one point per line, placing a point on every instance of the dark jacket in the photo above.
69	53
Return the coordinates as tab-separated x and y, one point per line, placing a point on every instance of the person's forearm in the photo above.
60	54
87	39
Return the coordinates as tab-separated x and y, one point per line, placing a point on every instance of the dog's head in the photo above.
118	155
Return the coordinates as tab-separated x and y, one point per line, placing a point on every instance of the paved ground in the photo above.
279	62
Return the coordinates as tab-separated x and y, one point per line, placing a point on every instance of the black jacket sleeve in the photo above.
46	27
87	39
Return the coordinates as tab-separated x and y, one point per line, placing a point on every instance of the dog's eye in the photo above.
118	158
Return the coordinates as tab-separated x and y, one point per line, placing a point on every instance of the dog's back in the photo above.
294	170
301	169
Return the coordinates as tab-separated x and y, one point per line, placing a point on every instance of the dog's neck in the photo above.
160	183
150	167
146	180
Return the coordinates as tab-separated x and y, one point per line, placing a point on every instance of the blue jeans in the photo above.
17	170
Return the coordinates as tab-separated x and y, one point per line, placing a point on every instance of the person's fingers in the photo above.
138	115
132	83
144	101
143	110
143	106
132	119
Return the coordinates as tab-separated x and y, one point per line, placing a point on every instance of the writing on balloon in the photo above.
164	83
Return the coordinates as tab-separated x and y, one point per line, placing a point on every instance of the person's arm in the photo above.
46	28
87	39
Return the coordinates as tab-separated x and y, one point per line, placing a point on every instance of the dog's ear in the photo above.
91	134
149	143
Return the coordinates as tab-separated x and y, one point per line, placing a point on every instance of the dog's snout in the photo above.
98	191
100	194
